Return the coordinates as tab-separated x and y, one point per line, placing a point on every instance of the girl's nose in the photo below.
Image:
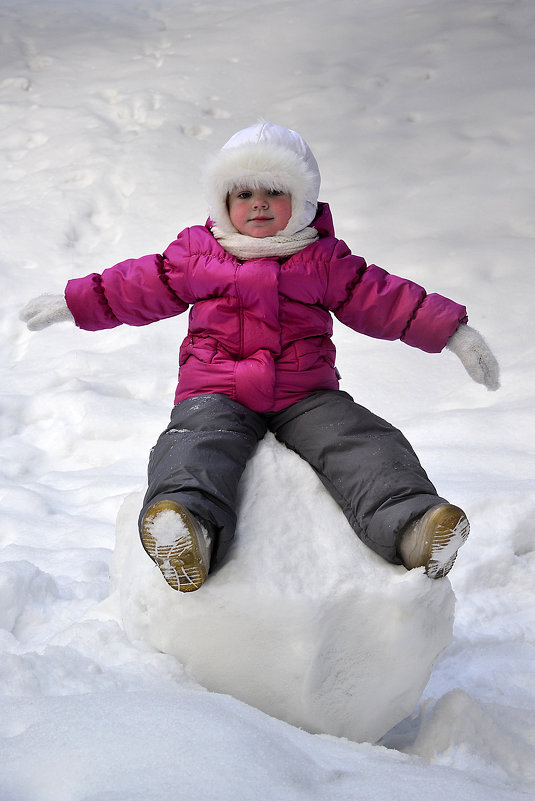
260	202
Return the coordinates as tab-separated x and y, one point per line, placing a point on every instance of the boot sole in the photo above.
183	562
450	529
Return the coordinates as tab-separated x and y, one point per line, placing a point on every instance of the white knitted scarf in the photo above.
249	247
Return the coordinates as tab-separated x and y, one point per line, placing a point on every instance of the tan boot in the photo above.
179	544
432	541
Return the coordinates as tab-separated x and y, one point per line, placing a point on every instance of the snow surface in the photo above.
421	116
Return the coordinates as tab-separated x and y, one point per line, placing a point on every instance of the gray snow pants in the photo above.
367	465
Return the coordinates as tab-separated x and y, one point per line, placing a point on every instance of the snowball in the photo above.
302	621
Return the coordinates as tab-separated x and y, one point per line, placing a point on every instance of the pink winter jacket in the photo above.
260	330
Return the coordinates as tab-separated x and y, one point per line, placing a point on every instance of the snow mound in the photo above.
303	621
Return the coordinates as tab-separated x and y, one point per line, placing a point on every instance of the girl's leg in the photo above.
199	459
366	464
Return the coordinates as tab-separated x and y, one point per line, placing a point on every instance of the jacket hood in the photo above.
268	156
323	221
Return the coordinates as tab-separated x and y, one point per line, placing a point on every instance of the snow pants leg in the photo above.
366	464
199	459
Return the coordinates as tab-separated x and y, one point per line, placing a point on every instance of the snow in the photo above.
303	620
420	115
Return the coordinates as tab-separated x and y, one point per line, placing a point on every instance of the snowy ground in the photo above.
421	116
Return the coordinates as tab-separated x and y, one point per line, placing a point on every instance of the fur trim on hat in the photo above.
265	156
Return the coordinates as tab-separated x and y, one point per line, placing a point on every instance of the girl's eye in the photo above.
244	195
276	192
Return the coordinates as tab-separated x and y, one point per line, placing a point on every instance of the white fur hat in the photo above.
269	156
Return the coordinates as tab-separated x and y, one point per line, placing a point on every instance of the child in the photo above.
262	278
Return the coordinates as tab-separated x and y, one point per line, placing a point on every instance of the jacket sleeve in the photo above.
135	292
378	304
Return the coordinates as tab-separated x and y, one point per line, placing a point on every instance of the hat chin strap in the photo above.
303	212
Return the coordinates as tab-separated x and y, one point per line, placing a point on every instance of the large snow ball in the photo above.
303	621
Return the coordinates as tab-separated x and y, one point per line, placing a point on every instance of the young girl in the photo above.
262	278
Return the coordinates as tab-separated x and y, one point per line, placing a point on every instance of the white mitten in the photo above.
476	356
44	311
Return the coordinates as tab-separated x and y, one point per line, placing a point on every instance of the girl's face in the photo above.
259	212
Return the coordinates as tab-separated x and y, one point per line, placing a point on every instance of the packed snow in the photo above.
421	117
302	621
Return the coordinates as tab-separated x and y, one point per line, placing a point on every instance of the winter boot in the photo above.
432	541
179	543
